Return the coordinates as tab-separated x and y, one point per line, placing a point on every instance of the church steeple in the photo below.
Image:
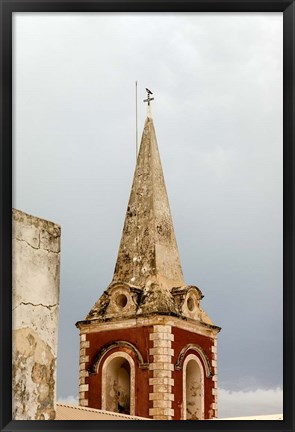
147	348
148	268
148	276
148	250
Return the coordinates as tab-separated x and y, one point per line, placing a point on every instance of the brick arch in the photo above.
93	370
107	361
200	352
197	412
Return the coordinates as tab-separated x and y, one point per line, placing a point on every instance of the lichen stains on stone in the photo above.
148	223
33	377
148	261
100	306
39	373
35	232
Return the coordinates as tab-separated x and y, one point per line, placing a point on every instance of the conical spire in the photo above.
148	251
148	277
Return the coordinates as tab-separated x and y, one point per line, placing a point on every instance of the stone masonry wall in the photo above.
162	367
35	305
214	406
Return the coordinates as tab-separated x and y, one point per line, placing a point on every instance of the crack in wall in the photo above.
36	279
29	244
50	251
38	247
32	304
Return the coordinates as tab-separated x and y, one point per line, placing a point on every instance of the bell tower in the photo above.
147	348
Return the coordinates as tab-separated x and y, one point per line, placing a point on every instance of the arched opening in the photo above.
118	384
193	389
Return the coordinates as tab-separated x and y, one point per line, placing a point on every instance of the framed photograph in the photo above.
147	156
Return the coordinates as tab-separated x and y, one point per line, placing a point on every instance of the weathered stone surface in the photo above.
160	350
148	246
161	396
33	377
162	373
83	387
162	411
148	277
35	303
162	336
36	232
36	275
160	343
161	365
82	366
159	417
147	296
159	381
162	403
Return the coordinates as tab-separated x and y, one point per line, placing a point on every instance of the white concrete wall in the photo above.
35	305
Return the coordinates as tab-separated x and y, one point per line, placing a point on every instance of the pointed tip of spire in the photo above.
148	247
149	112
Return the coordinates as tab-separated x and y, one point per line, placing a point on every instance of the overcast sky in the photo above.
217	83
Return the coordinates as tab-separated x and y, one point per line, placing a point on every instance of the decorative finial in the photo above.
148	100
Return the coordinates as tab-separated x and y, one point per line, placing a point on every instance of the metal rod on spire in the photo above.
136	198
136	119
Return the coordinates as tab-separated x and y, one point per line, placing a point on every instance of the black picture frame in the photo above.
8	7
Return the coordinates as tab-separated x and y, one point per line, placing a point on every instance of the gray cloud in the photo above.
217	80
236	403
250	403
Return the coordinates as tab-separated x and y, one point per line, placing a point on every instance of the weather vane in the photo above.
149	99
